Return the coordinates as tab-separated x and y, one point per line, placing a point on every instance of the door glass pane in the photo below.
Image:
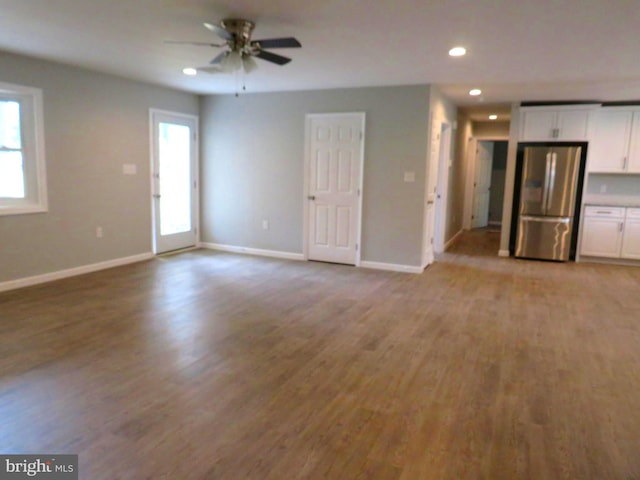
10	125
175	178
11	175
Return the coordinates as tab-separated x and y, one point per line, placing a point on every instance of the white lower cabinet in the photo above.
611	232
631	240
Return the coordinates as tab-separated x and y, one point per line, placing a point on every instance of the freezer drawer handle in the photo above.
528	218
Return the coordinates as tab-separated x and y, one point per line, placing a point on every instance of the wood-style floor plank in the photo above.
209	365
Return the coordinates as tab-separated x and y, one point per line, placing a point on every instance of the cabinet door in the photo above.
601	237
633	164
538	125
573	125
631	238
609	147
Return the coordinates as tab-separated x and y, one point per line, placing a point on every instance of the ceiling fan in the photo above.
236	34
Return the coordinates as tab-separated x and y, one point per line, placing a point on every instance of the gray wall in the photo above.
252	168
93	124
489	129
458	182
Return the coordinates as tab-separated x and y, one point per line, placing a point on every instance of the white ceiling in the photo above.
517	49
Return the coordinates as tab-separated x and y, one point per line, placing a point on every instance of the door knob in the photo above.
311	197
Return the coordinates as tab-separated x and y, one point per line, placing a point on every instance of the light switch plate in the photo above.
409	176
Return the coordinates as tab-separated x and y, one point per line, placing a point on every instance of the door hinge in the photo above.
356	247
361	135
431	240
195	230
195	184
358	192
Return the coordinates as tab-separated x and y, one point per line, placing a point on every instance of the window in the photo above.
22	168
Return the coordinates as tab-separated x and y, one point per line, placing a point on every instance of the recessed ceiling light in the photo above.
475	92
493	117
457	51
189	71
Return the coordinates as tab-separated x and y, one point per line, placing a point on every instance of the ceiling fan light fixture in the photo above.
248	63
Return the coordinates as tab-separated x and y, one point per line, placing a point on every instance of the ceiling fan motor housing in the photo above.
241	33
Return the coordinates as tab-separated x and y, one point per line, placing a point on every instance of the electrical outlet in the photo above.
99	232
265	224
409	176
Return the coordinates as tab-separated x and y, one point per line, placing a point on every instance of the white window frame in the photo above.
32	130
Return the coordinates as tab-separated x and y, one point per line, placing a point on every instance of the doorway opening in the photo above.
490	167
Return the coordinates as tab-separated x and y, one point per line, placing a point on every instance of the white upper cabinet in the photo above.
555	123
633	163
609	146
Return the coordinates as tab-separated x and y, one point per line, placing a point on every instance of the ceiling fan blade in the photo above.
272	57
218	58
286	42
221	32
210	69
204	44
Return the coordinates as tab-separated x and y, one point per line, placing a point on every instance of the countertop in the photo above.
612	200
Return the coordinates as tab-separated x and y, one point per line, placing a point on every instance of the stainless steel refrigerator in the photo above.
548	188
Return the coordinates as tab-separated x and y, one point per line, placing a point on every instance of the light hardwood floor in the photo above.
214	366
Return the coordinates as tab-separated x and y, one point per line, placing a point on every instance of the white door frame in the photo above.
307	163
196	173
470	174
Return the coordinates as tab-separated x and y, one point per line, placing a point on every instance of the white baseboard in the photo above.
253	251
392	267
503	253
452	240
72	272
299	256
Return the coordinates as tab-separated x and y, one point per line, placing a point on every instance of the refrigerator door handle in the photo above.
552	181
530	218
545	191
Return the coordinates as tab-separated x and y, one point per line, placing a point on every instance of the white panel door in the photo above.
335	153
174	181
482	185
431	193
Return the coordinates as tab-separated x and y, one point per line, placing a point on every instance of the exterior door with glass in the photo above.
174	180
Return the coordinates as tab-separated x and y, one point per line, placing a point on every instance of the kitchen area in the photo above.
575	170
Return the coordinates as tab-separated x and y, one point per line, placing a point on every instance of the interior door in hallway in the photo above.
335	147
482	184
174	180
